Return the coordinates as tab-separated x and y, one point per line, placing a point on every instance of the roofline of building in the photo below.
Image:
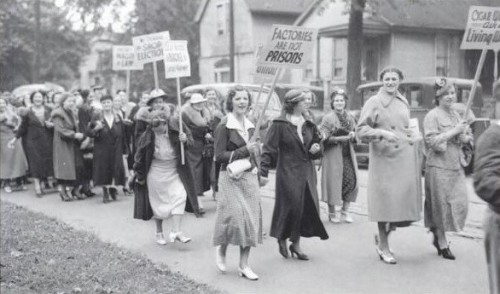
307	12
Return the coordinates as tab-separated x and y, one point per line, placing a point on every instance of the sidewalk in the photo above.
346	263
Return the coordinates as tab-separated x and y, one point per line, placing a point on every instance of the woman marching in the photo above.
394	183
196	117
292	143
339	180
168	182
110	148
36	132
446	201
239	215
67	157
12	158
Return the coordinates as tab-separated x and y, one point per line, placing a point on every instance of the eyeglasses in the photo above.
158	122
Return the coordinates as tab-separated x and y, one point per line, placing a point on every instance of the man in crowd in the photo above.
487	185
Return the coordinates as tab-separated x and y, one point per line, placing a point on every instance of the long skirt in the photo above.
13	161
492	247
446	202
166	191
239	213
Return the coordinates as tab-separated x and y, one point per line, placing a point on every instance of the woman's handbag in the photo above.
236	168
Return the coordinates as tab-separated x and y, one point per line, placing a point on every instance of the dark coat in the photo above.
109	147
201	172
296	210
144	158
37	143
84	119
67	157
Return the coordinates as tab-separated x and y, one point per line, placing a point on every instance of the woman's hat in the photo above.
294	96
197	98
156	93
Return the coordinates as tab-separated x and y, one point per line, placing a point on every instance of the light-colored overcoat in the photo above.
333	165
67	155
394	181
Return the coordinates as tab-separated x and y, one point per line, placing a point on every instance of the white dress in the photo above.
166	191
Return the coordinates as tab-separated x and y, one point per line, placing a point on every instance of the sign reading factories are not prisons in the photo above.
289	47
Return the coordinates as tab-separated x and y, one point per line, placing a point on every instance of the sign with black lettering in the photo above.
263	73
124	59
149	48
176	59
483	28
289	47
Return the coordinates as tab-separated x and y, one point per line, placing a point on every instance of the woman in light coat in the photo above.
394	182
339	179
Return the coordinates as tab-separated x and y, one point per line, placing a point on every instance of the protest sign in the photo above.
149	48
263	73
176	59
289	47
123	58
483	28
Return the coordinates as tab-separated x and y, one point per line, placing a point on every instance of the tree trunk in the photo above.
354	52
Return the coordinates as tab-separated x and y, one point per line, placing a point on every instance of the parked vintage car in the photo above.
273	110
420	94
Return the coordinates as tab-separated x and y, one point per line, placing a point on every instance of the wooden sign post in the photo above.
177	64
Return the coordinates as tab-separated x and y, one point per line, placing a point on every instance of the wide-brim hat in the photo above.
156	93
197	98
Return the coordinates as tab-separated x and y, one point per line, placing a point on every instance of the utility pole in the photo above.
36	59
231	42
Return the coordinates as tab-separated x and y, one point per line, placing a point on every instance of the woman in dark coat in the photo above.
67	157
110	148
36	132
292	143
144	157
196	117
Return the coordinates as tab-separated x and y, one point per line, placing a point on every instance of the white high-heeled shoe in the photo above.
160	239
346	217
248	273
178	237
220	260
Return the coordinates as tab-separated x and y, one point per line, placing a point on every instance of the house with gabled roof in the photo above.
253	20
420	37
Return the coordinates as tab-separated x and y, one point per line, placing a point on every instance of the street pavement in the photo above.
345	263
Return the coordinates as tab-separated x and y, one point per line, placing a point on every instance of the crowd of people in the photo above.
80	140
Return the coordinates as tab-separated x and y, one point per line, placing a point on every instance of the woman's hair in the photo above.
292	98
337	92
33	95
107	97
391	69
160	114
64	97
85	94
442	86
232	93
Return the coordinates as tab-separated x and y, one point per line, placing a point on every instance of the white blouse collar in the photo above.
233	123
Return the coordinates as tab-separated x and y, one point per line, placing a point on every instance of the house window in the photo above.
221	71
442	55
339	58
222	17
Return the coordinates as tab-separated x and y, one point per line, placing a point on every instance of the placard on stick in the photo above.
124	58
483	28
289	47
176	59
149	48
263	73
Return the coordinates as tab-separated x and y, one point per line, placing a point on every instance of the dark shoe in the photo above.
447	253
198	213
112	193
76	194
300	255
88	193
105	195
282	248
201	211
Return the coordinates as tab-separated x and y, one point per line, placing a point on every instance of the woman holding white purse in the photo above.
239	216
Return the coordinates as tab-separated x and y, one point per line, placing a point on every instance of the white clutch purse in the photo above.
236	168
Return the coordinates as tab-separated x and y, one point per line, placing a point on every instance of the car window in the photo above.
414	96
273	103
